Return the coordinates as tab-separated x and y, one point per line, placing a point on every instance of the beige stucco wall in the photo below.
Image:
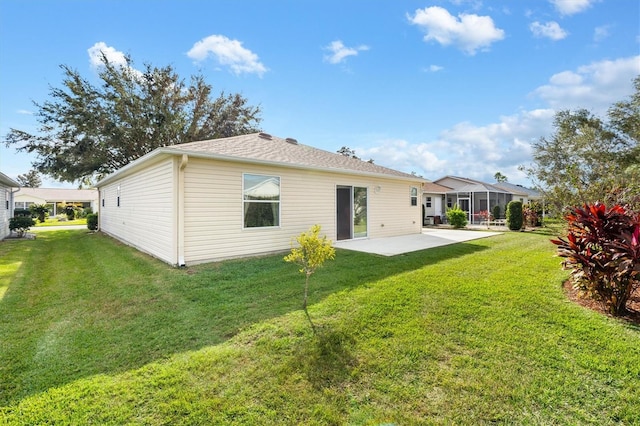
214	208
145	218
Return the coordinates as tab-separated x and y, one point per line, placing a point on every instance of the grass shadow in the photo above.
327	360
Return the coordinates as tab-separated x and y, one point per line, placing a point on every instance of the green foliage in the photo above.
515	219
532	214
89	130
499	177
40	211
311	254
21	224
22	212
457	217
30	179
70	211
496	211
602	249
92	221
589	159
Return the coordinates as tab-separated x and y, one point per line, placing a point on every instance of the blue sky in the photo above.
436	87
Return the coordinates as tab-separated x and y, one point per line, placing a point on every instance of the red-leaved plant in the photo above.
602	248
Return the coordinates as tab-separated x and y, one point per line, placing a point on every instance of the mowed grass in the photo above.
475	333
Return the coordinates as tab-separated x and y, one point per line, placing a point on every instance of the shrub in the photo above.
457	217
21	224
497	211
602	248
70	211
92	221
514	215
40	211
22	213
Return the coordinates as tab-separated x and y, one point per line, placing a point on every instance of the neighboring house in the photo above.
433	200
252	194
473	196
56	198
520	192
8	188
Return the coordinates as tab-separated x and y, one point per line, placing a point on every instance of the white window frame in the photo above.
278	219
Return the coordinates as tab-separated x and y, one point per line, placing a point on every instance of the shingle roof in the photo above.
518	189
262	147
434	188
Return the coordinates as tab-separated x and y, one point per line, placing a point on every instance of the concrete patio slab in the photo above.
429	238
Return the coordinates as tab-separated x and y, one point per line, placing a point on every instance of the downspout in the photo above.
12	203
183	163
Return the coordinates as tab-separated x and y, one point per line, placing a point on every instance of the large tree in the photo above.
588	159
87	131
30	179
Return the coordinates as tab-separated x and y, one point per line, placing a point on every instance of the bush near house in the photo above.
21	224
457	217
602	248
496	212
514	215
92	221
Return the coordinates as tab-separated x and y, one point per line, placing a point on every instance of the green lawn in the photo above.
94	332
55	222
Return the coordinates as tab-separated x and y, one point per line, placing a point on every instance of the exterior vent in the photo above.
265	135
292	141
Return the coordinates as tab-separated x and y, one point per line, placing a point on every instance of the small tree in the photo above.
514	215
40	211
603	250
457	217
311	254
21	224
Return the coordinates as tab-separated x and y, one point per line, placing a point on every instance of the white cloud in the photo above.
229	53
469	32
434	68
24	112
468	150
595	86
600	33
114	56
571	7
339	52
550	30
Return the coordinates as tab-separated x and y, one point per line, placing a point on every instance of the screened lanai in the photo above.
474	198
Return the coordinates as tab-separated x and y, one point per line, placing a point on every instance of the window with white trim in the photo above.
428	201
261	201
414	196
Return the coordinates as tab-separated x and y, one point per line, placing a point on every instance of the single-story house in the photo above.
251	194
56	198
433	201
473	196
7	192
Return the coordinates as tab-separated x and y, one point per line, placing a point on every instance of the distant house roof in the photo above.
7	181
471	185
59	194
434	188
262	148
519	189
